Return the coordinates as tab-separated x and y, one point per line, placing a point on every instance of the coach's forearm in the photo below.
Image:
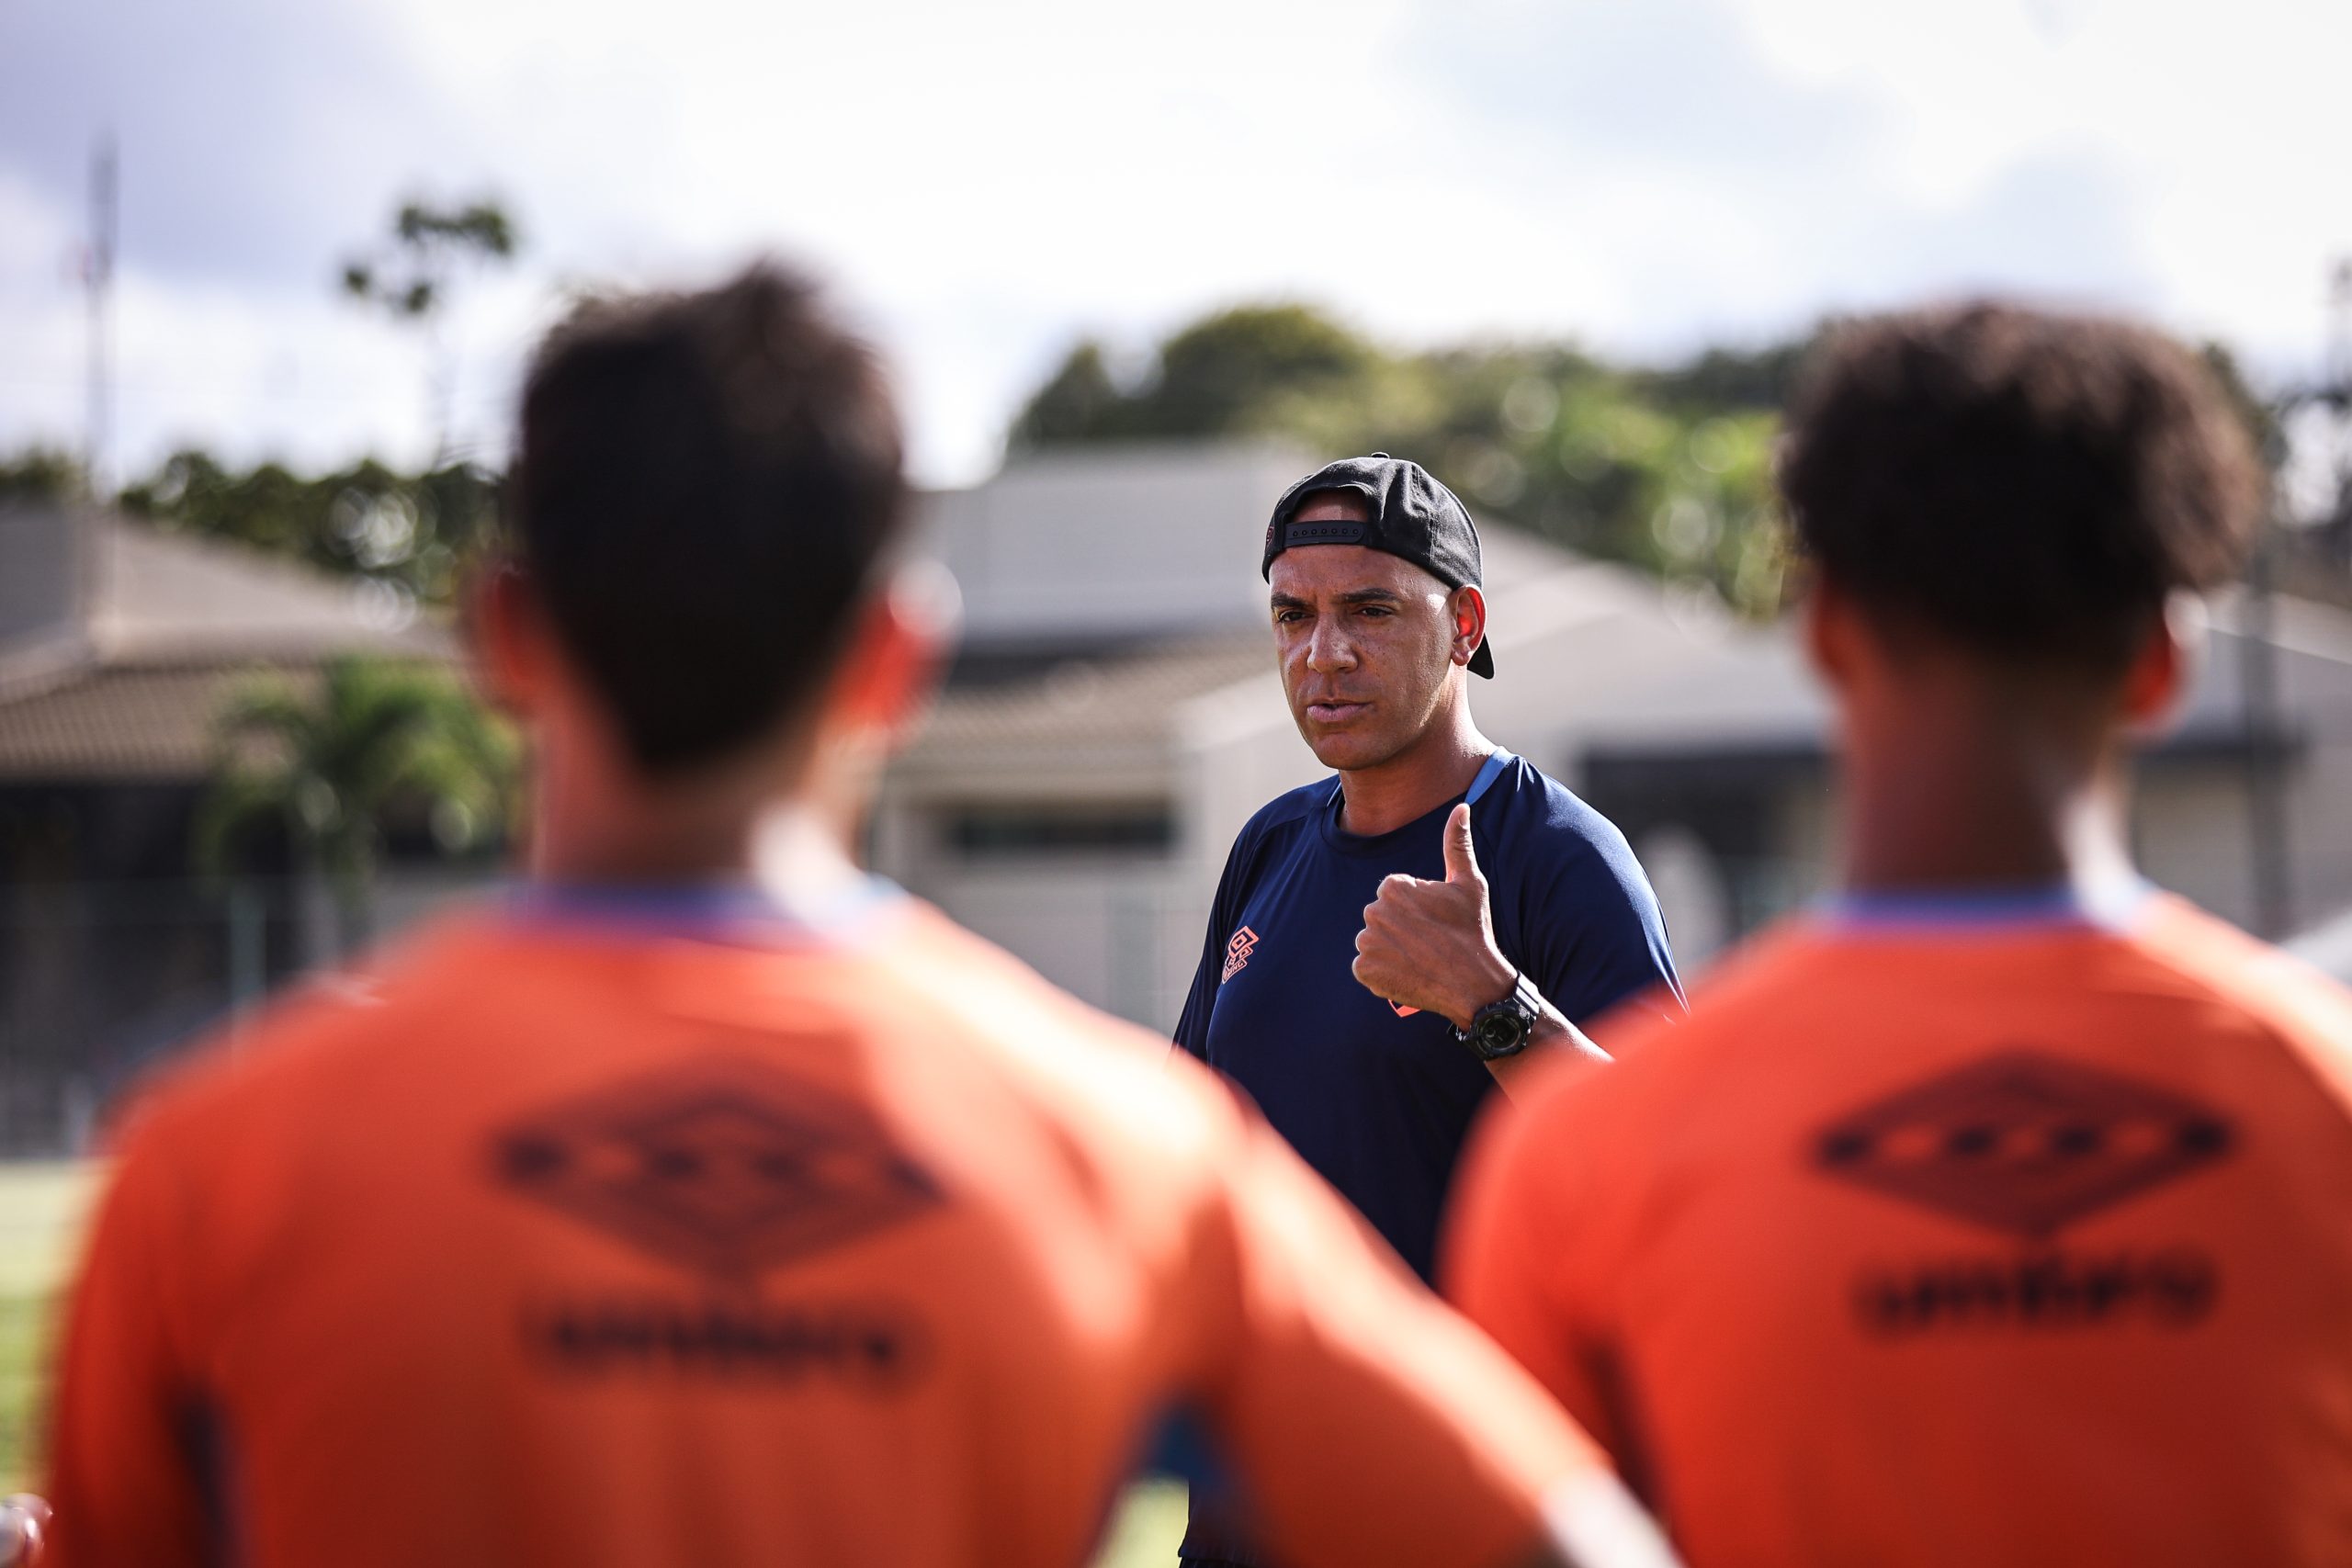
1552	1034
1485	976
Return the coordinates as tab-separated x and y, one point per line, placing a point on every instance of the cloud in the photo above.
1665	85
257	137
986	182
1728	193
260	142
2061	226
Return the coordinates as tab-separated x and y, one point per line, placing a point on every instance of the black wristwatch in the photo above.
1501	1029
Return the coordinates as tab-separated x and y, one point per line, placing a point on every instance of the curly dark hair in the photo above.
705	484
2028	486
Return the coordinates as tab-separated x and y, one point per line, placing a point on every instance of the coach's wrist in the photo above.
1487	981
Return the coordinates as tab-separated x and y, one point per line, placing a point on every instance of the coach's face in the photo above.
1368	641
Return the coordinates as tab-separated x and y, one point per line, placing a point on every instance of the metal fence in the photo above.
99	980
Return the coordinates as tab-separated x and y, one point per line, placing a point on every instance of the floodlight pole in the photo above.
2271	862
98	278
2265	748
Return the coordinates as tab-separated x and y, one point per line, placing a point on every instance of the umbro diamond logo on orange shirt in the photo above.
2023	1141
725	1167
1237	952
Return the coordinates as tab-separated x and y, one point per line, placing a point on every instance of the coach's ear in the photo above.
1469	610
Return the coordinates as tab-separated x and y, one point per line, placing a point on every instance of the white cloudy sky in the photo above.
987	180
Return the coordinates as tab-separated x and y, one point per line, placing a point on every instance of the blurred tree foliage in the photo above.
1664	468
415	531
40	473
328	767
412	273
1668	469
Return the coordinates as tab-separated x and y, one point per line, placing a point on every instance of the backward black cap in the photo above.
1413	516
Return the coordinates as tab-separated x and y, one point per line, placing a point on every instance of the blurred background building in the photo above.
235	736
1116	719
1135	268
121	649
1112	720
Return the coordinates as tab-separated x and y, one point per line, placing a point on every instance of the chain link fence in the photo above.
100	980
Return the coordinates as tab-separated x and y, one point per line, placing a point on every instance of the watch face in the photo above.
1502	1033
1502	1029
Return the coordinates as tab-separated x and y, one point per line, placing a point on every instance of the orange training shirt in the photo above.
2026	1244
556	1242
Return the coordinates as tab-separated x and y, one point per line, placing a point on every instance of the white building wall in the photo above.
2189	831
1131	543
1112	934
1118	542
1583	655
1579	669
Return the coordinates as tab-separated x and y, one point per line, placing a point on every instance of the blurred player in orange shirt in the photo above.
706	1203
2000	1210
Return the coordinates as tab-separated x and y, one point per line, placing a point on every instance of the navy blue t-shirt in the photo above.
1380	1103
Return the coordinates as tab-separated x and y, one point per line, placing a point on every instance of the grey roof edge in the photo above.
31	666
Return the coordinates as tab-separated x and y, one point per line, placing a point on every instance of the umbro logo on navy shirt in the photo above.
1237	952
1376	1100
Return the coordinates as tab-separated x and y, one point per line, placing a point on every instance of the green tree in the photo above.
40	473
415	531
1666	470
1238	372
328	767
411	274
1215	376
1723	379
1080	401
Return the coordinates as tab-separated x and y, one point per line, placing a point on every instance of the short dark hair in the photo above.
2027	486
705	485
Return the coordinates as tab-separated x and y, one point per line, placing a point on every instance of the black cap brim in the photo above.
1482	661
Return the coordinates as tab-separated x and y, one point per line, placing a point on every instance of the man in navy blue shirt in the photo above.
1373	963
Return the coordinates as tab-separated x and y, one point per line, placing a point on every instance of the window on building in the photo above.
1061	827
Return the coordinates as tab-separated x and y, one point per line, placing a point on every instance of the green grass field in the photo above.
42	1208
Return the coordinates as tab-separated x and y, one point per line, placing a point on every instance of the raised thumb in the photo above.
1461	860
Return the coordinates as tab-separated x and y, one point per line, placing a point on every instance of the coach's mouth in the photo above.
1335	712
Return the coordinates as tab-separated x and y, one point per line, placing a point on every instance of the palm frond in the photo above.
372	737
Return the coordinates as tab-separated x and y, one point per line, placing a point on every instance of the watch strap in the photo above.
1520	1003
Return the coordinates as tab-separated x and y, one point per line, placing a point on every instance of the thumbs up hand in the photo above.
1430	946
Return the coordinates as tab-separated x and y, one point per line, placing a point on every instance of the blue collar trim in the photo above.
737	913
1488	773
2111	907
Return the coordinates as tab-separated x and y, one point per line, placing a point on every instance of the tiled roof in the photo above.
1127	698
129	722
191	600
174	626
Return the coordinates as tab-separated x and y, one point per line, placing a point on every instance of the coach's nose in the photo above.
1328	650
